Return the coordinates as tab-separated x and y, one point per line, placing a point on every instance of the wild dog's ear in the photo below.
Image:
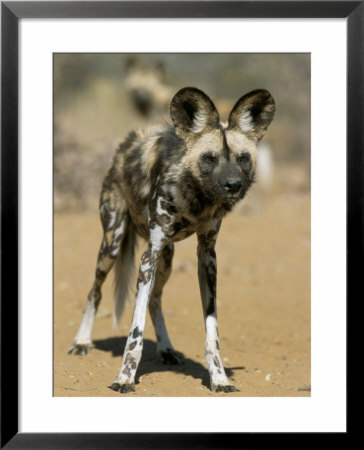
192	112
253	113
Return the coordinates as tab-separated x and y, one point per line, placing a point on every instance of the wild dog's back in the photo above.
132	173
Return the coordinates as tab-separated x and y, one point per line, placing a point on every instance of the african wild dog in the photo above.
147	87
164	185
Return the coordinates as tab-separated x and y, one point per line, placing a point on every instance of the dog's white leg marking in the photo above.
125	382
82	339
207	279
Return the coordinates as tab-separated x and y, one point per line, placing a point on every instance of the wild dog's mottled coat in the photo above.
165	184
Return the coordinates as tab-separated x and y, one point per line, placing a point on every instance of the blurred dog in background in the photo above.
147	87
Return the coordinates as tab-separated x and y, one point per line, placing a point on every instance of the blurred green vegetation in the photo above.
93	110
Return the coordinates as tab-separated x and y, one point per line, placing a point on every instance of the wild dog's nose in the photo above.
232	185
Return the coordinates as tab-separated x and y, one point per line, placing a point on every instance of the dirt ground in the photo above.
263	308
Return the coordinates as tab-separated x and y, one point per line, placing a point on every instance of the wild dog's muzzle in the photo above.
232	181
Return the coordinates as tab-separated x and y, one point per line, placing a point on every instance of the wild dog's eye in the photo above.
209	157
244	160
244	157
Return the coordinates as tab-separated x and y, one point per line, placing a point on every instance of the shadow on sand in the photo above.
151	362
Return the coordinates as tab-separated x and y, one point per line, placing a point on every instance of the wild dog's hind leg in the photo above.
207	279
115	219
164	346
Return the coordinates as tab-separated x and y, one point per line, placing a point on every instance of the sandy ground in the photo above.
263	308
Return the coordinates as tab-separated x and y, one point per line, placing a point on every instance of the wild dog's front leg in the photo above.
164	346
134	345
207	280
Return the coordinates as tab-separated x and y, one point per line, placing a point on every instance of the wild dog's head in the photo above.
221	158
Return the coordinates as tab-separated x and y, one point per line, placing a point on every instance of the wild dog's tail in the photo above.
124	271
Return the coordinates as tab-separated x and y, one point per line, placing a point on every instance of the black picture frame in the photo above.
11	12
